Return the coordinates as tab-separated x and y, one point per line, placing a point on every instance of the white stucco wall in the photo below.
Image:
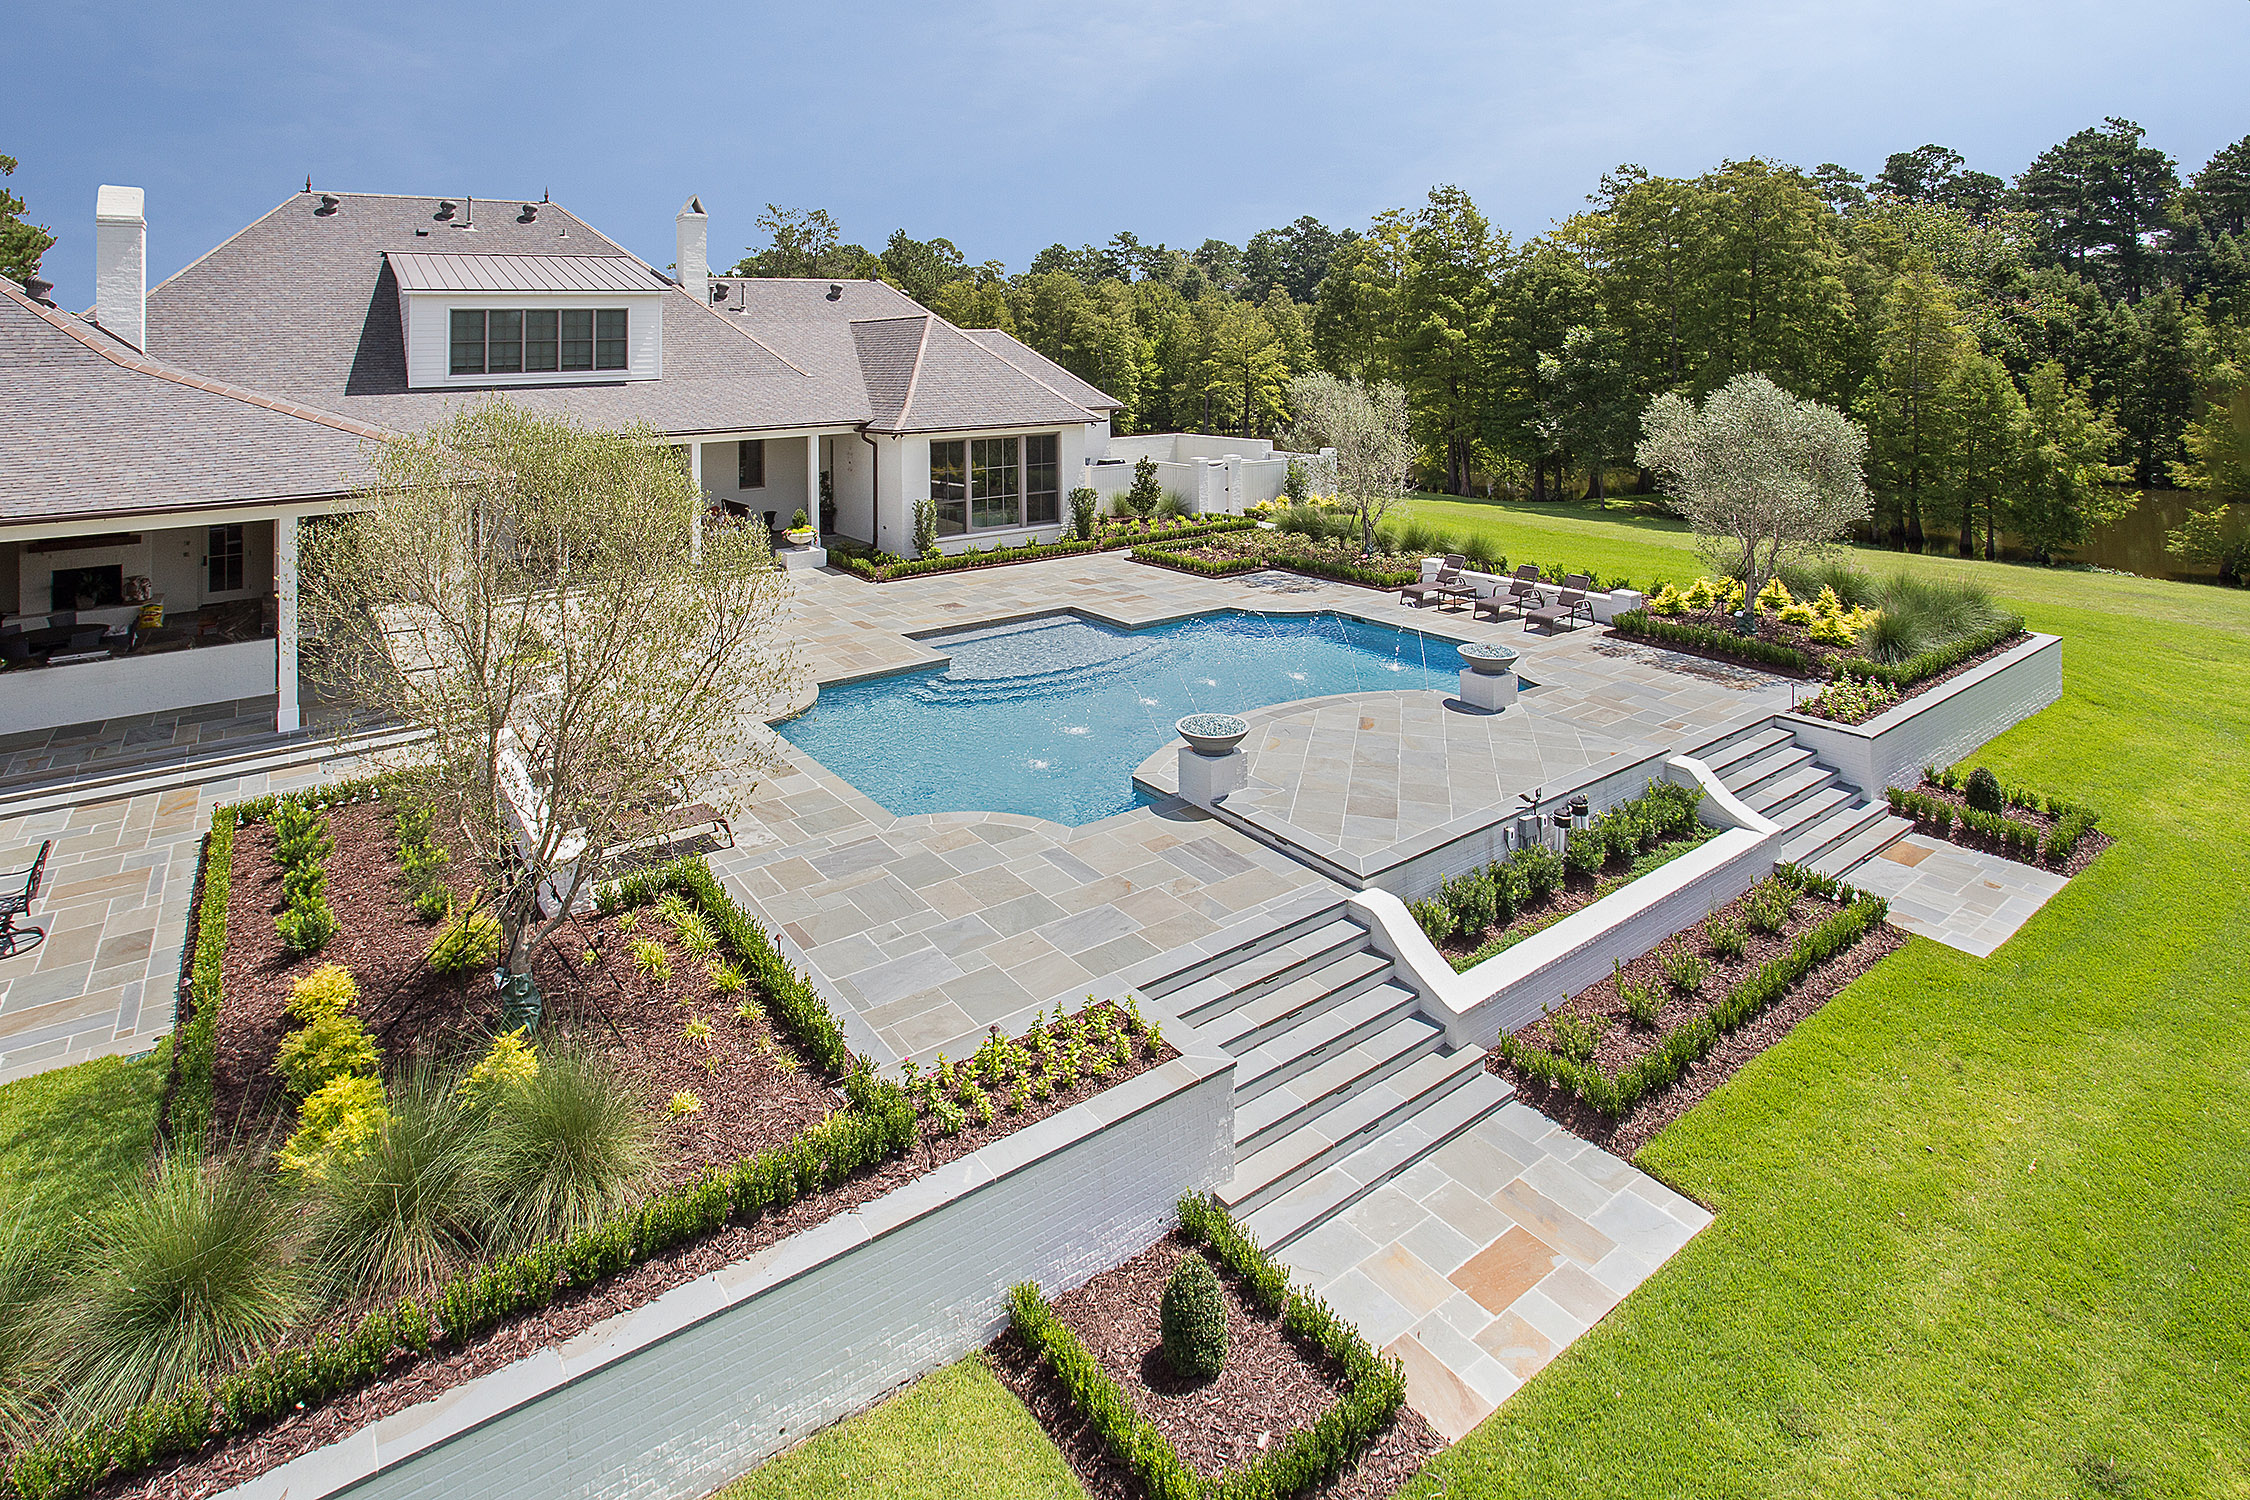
909	458
672	1400
1939	726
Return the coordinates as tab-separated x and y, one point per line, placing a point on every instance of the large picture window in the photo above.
995	485
1042	476
949	486
537	340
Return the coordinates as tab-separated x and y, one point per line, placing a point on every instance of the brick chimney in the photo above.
121	264
694	260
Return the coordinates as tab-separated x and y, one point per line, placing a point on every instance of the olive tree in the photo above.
1763	477
1367	426
539	596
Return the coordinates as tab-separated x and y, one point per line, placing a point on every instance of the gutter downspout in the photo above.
874	487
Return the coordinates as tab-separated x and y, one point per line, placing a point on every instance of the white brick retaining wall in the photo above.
1507	990
673	1399
1941	725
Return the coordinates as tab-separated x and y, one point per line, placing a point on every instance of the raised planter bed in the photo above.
2055	834
875	569
1616	1079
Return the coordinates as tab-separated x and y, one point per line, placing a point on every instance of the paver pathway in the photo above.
1484	1260
1964	898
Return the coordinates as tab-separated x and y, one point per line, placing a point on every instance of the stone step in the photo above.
1261	973
1245	1027
1273	1114
1776	795
1254	961
1816	836
1265	1175
1343	1183
1863	846
1746	779
1731	753
1808	810
1318	1037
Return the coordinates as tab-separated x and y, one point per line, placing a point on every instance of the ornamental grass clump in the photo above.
186	1272
1193	1316
568	1147
407	1209
27	1266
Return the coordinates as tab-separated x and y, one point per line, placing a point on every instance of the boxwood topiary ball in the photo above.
1983	791
1194	1321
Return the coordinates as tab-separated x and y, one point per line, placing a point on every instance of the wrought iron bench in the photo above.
17	891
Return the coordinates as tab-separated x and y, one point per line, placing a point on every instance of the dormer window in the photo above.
537	340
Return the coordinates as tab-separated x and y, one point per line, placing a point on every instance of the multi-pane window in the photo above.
515	341
223	559
750	464
995	484
949	486
1042	478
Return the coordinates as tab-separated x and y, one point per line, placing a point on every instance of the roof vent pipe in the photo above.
40	290
835	293
693	260
121	264
446	209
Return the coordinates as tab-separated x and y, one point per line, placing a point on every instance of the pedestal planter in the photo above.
1489	680
1213	734
1212	763
1488	658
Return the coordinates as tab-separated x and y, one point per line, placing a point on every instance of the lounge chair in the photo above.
1439	588
1523	592
1570	604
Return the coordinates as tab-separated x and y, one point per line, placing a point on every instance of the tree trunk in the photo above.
1538	480
1594	490
1914	537
1968	541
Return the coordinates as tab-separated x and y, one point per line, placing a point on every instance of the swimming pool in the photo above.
1051	716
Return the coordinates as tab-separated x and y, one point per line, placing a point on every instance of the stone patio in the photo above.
52	753
1963	898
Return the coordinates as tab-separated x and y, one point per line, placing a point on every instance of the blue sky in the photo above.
1009	124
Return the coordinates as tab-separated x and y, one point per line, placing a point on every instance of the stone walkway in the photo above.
1483	1261
78	746
1963	898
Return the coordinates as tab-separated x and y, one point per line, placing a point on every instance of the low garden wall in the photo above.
1937	727
1507	990
673	1399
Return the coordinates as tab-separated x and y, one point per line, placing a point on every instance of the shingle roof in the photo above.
1044	370
420	271
306	304
89	428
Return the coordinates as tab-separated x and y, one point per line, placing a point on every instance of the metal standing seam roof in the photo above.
444	271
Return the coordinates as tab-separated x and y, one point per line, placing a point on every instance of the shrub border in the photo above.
877	1124
1912	672
1375	1387
953	562
1288	562
1691	1041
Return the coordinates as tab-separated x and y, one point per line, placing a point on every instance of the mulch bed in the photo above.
748	1103
1271	1385
1623	1042
1795	637
1577	891
2091	845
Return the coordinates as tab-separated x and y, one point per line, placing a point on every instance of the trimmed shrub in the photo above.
330	1045
336	1123
471	940
186	1120
1714	641
1982	792
1085	512
1193	1315
327	991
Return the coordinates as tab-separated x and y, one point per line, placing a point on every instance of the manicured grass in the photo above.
69	1138
1981	1224
956	1434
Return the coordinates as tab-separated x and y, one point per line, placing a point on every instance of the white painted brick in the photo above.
1942	725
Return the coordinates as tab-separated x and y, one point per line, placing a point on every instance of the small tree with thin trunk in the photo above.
1763	477
533	592
1367	426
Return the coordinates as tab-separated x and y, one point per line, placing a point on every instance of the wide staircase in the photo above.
1826	826
1340	1083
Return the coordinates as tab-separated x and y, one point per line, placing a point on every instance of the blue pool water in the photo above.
1051	716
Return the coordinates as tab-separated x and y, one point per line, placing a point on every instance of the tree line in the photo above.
2020	353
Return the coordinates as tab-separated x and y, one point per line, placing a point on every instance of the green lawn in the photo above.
68	1138
1981	1224
956	1434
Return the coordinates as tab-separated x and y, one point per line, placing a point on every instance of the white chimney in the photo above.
121	264
694	261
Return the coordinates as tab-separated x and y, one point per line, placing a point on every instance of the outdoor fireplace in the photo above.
88	588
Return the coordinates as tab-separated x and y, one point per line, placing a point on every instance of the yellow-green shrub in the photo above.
328	990
1775	596
471	940
334	1124
510	1062
328	1045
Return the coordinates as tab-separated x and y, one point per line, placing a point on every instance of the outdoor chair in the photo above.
1523	591
17	891
1570	604
1438	588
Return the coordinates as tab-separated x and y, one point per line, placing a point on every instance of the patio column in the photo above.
702	503
286	717
812	485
